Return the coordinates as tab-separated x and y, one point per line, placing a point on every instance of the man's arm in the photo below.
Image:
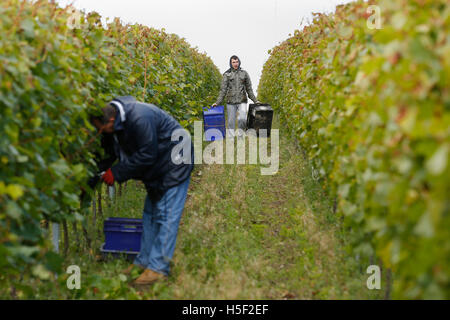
146	155
248	87
223	90
107	143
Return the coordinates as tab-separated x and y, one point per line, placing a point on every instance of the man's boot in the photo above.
149	277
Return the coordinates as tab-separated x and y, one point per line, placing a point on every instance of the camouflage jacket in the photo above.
236	85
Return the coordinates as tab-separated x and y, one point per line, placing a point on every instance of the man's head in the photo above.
105	123
235	63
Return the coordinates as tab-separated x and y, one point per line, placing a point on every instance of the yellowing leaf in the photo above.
14	191
41	272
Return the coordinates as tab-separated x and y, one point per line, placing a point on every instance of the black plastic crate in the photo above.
260	117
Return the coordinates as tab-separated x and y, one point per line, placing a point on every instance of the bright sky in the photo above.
220	28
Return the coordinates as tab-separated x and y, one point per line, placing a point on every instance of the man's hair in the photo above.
108	111
234	58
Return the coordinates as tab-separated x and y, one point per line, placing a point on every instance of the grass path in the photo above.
249	236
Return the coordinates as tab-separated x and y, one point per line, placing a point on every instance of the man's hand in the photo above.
108	177
214	105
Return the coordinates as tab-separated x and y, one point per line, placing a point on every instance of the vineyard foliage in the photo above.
371	108
55	70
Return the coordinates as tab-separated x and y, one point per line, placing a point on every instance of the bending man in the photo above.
143	144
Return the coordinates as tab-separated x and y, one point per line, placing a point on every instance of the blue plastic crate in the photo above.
214	118
129	255
122	234
213	111
213	135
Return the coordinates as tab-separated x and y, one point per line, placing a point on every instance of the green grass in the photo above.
242	236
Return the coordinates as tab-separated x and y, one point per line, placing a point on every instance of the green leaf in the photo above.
399	20
24	251
60	167
424	227
54	262
122	277
346	32
13	210
27	26
438	162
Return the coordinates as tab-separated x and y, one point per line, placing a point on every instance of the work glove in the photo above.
108	177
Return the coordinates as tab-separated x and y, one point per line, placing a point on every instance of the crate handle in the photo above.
129	227
210	107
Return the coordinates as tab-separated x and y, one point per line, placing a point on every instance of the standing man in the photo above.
236	85
143	144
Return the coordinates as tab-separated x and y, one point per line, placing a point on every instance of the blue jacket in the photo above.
142	142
